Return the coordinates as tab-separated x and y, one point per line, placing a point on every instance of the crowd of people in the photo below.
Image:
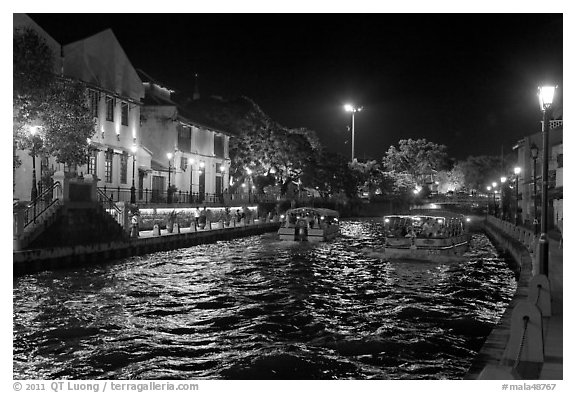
426	227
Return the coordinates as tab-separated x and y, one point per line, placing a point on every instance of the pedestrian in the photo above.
196	215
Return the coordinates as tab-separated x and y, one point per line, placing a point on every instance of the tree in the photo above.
414	160
57	105
479	171
450	180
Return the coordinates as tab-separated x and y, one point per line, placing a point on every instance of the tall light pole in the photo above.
353	109
133	188
34	192
546	95
488	188
494	184
191	163
534	155
249	172
502	181
169	194
517	171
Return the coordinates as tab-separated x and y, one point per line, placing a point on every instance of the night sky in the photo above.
468	81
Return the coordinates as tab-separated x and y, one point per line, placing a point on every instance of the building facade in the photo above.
190	157
530	156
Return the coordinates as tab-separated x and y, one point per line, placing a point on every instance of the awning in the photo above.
156	166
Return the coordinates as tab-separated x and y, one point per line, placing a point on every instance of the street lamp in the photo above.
169	155
191	163
534	155
517	171
133	188
249	172
502	181
34	192
546	96
494	184
353	109
488	188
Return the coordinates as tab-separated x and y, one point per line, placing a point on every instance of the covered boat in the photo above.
310	224
425	237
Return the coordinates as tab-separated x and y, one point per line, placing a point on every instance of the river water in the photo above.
258	308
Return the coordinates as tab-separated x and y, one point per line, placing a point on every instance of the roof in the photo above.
318	210
156	166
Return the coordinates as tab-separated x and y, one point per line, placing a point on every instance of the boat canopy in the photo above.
315	210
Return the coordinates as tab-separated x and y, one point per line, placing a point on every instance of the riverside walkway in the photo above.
491	362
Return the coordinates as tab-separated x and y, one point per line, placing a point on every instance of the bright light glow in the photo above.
517	170
467	219
440	221
202	165
191	161
222	168
134	149
546	96
272	170
415	192
248	171
243	184
169	155
503	179
386	220
34	129
282	216
494	184
321	217
488	188
88	140
348	108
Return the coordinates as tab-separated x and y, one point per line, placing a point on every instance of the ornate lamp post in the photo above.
191	163
534	155
353	109
546	95
169	155
488	188
517	171
502	181
133	188
34	192
494	184
249	172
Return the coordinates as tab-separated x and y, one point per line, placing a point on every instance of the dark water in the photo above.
258	308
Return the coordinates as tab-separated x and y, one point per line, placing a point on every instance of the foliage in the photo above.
450	180
59	106
331	174
479	171
68	122
370	175
416	158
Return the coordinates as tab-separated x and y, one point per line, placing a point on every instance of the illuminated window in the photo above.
92	163
124	113
109	108
108	166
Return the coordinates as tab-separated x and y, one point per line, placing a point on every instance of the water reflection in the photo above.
258	308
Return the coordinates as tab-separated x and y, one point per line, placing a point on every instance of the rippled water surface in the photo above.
258	308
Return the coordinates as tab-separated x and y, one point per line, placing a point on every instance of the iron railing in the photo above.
42	203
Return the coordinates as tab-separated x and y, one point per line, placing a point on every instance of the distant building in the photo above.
199	167
531	171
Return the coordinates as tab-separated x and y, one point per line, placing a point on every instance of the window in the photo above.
109	108
183	163
219	146
124	113
94	99
108	166
92	163
560	160
124	168
185	139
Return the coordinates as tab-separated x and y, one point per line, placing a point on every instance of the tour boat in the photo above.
439	238
309	224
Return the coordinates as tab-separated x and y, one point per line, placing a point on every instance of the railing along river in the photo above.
258	308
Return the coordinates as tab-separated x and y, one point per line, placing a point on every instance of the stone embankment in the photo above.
29	261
